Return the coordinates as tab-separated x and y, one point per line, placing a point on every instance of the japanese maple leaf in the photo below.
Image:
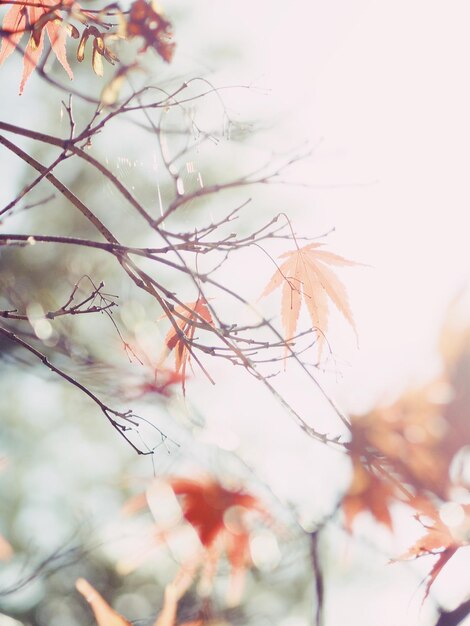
367	492
21	18
205	504
305	275
148	23
217	514
187	320
106	616
410	435
440	539
159	382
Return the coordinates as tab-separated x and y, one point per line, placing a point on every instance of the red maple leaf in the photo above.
160	382
220	517
205	505
368	492
156	30
34	18
440	540
189	317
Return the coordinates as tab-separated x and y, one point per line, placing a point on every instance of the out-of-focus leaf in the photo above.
111	91
104	614
219	516
368	492
440	539
146	22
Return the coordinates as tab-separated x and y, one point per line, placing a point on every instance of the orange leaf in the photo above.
410	434
173	593
39	17
104	614
191	314
440	539
15	22
368	492
305	274
146	22
58	36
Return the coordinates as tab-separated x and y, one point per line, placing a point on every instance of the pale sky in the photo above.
382	89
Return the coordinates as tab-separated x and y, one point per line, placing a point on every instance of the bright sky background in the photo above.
381	89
